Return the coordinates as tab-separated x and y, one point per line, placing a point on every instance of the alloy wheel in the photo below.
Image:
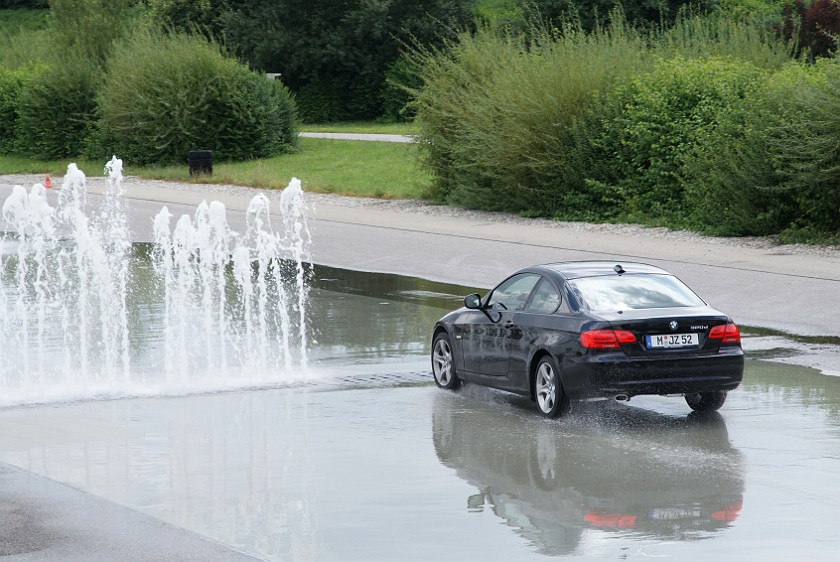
442	362
546	390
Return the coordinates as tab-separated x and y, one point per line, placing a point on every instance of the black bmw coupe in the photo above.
579	330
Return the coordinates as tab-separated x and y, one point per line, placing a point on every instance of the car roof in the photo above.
578	269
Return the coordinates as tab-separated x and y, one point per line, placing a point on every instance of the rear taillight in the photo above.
727	333
606	339
729	513
610	520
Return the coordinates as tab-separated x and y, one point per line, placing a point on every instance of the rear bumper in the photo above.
605	375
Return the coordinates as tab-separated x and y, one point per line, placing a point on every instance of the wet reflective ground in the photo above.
370	461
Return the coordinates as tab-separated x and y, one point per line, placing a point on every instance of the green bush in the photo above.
321	101
665	115
806	148
400	80
652	172
57	111
779	157
578	125
737	176
494	113
24	39
594	13
12	83
722	34
769	10
167	94
188	15
88	29
772	165
10	87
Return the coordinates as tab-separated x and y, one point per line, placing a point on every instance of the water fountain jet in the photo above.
86	314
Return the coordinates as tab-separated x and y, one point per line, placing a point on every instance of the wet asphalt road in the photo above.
360	468
45	520
351	468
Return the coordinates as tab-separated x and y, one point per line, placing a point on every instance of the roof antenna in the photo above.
618	269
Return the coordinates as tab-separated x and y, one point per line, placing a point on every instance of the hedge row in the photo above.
159	96
710	126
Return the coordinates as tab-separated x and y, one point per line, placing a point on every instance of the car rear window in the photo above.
633	292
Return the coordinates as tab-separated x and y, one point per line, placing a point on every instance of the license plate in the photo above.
674	513
667	341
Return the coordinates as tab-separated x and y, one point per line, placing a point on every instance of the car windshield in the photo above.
633	292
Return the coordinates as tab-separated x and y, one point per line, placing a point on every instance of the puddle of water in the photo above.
355	323
366	319
370	461
338	472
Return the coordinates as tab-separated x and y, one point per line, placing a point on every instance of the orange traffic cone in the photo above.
48	183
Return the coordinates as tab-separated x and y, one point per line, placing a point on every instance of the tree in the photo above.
88	29
189	15
815	27
34	4
592	13
335	53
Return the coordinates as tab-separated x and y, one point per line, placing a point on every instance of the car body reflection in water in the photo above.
613	468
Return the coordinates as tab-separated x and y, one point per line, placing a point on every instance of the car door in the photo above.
543	324
486	334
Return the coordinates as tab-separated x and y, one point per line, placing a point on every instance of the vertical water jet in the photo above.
211	309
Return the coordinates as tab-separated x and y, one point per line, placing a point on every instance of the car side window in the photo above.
545	300
513	293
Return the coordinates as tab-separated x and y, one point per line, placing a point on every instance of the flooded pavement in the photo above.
365	459
396	469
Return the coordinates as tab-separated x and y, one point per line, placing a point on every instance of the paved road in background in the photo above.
772	287
377	137
797	291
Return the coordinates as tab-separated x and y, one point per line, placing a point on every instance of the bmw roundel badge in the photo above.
673	325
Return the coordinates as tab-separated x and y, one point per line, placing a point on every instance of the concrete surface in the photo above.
759	286
790	289
357	469
47	521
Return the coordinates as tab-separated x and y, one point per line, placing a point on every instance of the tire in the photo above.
706	401
548	390
443	362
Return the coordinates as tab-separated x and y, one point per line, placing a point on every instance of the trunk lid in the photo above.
668	331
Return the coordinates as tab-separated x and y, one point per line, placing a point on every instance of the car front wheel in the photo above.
443	362
706	401
548	390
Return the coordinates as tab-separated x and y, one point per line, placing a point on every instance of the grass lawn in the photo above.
372	169
56	168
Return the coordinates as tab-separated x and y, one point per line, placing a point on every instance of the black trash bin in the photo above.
201	162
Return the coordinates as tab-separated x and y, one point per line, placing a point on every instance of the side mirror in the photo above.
473	301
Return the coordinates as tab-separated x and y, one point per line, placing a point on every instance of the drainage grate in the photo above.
383	379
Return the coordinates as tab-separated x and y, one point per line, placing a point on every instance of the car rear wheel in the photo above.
548	390
443	363
706	401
